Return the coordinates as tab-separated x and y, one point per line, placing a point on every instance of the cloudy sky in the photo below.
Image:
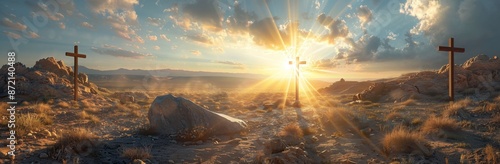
354	39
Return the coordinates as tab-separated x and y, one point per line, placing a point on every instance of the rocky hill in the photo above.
47	79
479	76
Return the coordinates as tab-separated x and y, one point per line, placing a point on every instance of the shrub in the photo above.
63	104
292	130
81	141
136	153
442	126
42	108
404	141
26	123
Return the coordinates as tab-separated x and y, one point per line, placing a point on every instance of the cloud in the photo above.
241	20
337	28
156	47
266	33
120	15
391	36
363	49
200	38
155	21
196	52
119	52
325	63
470	22
234	65
14	25
87	25
365	16
205	12
139	39
153	37
62	25
12	35
164	37
33	34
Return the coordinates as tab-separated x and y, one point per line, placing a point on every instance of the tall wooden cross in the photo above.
451	50
297	63
75	75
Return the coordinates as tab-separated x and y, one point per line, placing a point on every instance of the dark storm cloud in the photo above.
206	12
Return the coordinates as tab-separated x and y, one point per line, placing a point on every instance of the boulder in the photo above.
50	64
169	115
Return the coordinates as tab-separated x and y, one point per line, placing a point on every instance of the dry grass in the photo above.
42	108
26	123
404	141
392	116
442	126
81	141
339	118
454	108
4	113
63	104
136	153
86	104
292	130
92	118
495	119
490	153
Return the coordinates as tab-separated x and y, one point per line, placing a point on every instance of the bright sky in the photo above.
354	39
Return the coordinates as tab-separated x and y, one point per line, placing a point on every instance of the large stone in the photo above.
169	115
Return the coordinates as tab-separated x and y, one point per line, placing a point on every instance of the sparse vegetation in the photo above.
42	108
63	104
404	141
292	130
409	102
136	153
339	119
80	140
92	118
392	116
457	107
490	153
442	127
27	122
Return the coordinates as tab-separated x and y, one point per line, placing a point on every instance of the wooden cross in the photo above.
75	75
451	50
297	63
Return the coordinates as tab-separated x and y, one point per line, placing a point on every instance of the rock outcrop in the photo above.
479	74
47	79
169	115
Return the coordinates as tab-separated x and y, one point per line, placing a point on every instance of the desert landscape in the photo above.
249	81
380	121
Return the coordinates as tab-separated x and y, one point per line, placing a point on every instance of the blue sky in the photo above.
352	39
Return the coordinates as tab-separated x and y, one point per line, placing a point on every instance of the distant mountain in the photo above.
164	73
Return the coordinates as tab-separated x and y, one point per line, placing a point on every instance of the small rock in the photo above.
138	161
234	142
314	139
171	161
244	138
44	155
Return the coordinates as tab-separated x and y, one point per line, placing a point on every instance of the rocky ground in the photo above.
328	129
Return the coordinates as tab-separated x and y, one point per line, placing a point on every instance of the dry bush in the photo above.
339	119
292	130
86	104
495	119
404	141
92	110
42	108
392	116
198	133
442	127
92	118
490	153
63	104
137	153
75	141
455	107
4	114
26	123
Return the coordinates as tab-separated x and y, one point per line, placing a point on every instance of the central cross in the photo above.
451	49
297	63
75	75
